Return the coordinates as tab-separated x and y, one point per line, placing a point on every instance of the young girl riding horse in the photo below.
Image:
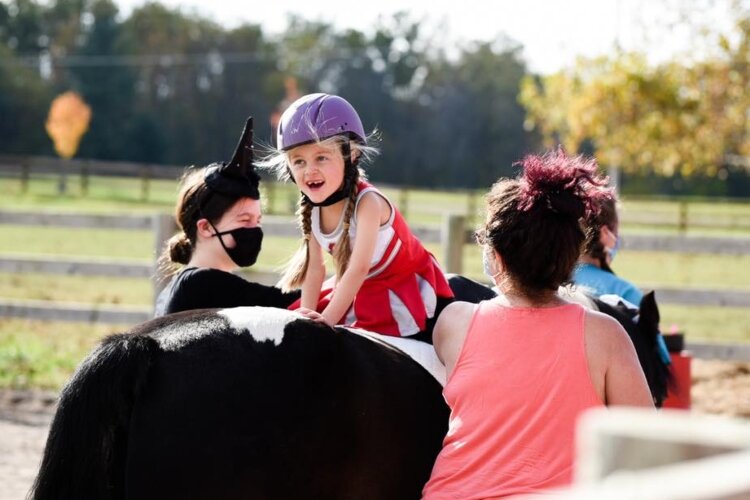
385	281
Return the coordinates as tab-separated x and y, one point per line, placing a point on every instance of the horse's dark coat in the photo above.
324	414
643	331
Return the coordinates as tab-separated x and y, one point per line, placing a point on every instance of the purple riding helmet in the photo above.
316	117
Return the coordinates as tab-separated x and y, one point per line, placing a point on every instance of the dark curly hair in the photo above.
535	221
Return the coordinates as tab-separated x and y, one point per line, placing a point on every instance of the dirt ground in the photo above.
24	419
719	387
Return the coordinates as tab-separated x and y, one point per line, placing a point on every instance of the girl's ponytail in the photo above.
177	250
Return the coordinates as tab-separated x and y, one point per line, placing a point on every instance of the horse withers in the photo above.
243	403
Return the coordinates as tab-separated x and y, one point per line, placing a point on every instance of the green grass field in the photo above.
119	195
43	354
37	353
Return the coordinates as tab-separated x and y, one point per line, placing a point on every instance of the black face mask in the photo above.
247	244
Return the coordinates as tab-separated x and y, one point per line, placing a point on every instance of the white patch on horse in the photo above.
263	323
421	352
176	335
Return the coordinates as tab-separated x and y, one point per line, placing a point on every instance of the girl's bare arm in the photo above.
368	222
316	273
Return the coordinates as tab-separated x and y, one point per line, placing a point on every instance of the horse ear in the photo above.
649	311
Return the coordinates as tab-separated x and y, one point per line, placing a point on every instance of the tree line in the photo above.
170	87
174	88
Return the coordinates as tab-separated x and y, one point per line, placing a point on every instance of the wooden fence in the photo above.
23	167
162	226
452	235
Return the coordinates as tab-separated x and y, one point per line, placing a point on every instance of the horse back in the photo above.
322	414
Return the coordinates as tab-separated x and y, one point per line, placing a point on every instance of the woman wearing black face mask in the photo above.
219	212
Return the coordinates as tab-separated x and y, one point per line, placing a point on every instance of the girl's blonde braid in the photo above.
343	249
296	269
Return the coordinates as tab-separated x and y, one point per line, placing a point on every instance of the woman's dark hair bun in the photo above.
180	248
568	185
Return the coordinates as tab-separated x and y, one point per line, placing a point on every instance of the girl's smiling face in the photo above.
317	169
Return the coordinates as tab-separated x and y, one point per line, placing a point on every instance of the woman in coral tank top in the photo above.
522	367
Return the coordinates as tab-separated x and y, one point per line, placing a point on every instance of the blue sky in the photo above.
553	32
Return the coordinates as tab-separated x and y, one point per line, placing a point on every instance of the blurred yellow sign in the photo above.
67	121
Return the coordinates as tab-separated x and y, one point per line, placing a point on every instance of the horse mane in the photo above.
642	326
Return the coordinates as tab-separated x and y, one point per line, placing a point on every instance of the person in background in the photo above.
219	213
593	270
385	280
522	367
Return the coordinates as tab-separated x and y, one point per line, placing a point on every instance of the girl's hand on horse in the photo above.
313	315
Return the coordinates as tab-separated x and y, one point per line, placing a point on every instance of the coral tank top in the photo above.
520	382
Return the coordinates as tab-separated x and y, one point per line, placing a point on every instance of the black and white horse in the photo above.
249	403
244	403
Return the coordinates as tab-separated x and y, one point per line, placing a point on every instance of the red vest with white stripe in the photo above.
402	285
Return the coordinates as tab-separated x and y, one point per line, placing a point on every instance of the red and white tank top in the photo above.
403	283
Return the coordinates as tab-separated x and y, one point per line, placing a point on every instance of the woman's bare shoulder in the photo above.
457	313
604	333
450	330
603	324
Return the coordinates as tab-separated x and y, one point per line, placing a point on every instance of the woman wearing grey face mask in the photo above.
219	212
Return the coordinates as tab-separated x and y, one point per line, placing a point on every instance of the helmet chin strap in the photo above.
346	186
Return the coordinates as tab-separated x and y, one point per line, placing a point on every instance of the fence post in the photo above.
85	179
452	240
62	181
145	178
683	217
164	227
403	201
25	175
